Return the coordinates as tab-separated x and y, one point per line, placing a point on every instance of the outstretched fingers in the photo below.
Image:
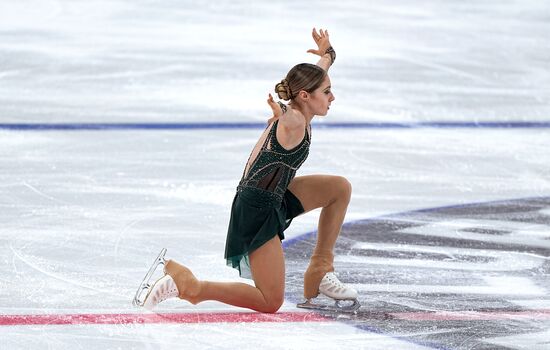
274	105
318	35
275	108
321	38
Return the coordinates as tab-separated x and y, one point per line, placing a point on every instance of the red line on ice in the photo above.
211	317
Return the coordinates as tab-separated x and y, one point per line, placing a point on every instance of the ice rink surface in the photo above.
447	237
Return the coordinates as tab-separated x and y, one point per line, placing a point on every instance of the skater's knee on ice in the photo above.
273	304
272	307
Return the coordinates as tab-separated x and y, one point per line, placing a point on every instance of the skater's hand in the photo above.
321	38
275	108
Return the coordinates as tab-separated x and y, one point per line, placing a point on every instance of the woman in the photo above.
268	198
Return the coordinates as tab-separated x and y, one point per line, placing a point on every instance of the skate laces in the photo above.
167	289
332	287
163	289
332	282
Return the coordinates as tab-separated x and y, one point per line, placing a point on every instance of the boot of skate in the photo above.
164	288
187	284
333	288
319	264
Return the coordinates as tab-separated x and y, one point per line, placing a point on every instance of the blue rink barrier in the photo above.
254	125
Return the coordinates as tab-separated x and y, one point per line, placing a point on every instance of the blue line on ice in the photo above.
254	125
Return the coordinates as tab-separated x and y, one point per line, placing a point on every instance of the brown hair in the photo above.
303	76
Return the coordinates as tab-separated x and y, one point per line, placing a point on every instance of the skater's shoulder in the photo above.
291	130
292	120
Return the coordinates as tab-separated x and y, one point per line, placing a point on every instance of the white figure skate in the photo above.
161	289
332	287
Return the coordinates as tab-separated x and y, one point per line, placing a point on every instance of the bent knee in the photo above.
343	187
273	304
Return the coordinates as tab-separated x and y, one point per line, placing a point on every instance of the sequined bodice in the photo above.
275	166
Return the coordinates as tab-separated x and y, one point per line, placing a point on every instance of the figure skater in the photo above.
268	197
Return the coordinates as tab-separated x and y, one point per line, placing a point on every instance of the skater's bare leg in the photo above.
332	194
268	270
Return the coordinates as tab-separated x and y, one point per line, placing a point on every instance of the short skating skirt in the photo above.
256	217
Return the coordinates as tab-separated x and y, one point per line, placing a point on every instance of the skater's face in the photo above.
321	98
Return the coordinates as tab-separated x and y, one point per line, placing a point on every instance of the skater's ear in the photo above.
303	95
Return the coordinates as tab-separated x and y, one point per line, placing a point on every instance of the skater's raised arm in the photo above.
307	87
324	49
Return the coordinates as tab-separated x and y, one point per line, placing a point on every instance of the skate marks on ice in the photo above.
458	277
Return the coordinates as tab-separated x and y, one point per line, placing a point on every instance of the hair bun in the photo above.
283	90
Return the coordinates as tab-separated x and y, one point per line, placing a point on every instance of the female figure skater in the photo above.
268	198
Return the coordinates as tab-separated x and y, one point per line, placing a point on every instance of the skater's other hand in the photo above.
275	108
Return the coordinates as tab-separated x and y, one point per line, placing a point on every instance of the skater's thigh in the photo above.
267	265
319	191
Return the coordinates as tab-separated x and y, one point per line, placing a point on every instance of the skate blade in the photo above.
337	307
145	286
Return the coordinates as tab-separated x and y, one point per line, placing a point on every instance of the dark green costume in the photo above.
263	206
